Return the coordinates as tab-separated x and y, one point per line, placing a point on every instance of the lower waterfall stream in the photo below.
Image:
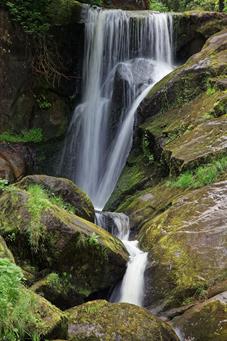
125	57
132	286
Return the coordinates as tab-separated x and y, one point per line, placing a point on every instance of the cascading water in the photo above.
124	57
131	288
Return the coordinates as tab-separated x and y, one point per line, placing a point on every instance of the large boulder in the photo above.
100	320
50	322
64	189
47	235
205	321
187	241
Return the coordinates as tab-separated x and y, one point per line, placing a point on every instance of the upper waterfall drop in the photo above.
124	58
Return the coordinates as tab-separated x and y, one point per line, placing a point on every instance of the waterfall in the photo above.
132	287
124	57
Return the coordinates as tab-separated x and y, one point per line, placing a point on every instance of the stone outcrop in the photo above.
100	320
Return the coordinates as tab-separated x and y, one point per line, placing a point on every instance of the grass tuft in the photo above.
201	176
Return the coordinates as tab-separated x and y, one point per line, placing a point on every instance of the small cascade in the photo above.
124	57
132	287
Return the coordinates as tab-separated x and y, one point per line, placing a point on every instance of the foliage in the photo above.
58	201
43	102
201	176
184	5
40	200
149	157
62	283
34	135
30	14
158	6
37	203
17	311
3	183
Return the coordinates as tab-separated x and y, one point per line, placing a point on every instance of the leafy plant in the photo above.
34	135
43	102
18	309
38	201
3	183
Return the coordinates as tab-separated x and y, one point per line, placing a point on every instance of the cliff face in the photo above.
38	77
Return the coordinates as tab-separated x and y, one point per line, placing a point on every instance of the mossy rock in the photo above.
205	321
186	241
188	80
65	189
100	320
61	290
188	125
193	28
4	251
51	238
50	322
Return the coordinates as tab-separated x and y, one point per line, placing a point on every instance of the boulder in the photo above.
50	321
205	321
60	290
65	189
100	320
15	161
187	242
49	237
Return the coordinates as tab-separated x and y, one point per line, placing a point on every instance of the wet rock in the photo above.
52	239
205	321
15	161
189	80
100	320
64	189
187	244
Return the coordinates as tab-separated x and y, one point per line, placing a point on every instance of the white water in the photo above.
124	58
132	287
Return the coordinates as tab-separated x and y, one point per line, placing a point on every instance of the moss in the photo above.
175	239
102	320
34	135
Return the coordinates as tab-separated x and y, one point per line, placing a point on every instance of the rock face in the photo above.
182	227
192	29
44	233
205	321
100	320
38	90
15	161
64	189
